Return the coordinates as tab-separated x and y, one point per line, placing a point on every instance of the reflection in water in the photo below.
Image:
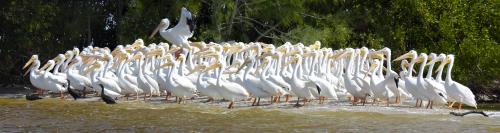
51	115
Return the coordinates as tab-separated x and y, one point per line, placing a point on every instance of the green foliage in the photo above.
467	29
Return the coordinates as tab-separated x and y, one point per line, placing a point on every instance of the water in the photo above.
54	115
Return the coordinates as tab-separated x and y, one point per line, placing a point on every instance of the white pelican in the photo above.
202	84
77	80
429	89
410	82
229	90
98	78
180	33
253	84
35	72
298	85
351	86
52	82
143	81
458	92
181	86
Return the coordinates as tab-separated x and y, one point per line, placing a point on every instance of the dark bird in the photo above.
33	97
106	98
75	94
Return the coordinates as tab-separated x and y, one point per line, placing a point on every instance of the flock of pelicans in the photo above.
238	71
241	72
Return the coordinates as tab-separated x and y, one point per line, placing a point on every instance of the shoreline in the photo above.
19	92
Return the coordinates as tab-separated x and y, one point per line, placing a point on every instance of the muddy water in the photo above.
53	115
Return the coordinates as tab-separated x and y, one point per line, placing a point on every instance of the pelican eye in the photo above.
441	94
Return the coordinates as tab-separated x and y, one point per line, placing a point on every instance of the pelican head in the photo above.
30	61
410	54
373	67
202	66
93	67
164	23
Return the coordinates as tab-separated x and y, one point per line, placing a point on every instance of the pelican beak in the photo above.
432	61
372	68
45	66
420	60
344	54
91	68
376	55
166	65
29	62
199	45
407	55
156	30
248	48
445	61
196	69
214	66
242	65
129	49
115	64
27	71
174	49
114	52
72	62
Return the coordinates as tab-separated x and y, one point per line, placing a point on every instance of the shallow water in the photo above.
54	115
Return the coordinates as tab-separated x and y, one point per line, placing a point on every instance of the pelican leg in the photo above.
254	100
286	98
428	104
397	100
61	94
258	102
416	103
459	106
451	105
271	100
432	104
305	101
364	99
279	97
420	104
84	89
353	100
144	97
137	96
387	101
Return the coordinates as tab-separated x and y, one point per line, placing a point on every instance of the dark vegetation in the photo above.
468	29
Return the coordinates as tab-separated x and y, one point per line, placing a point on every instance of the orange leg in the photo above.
286	98
61	94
